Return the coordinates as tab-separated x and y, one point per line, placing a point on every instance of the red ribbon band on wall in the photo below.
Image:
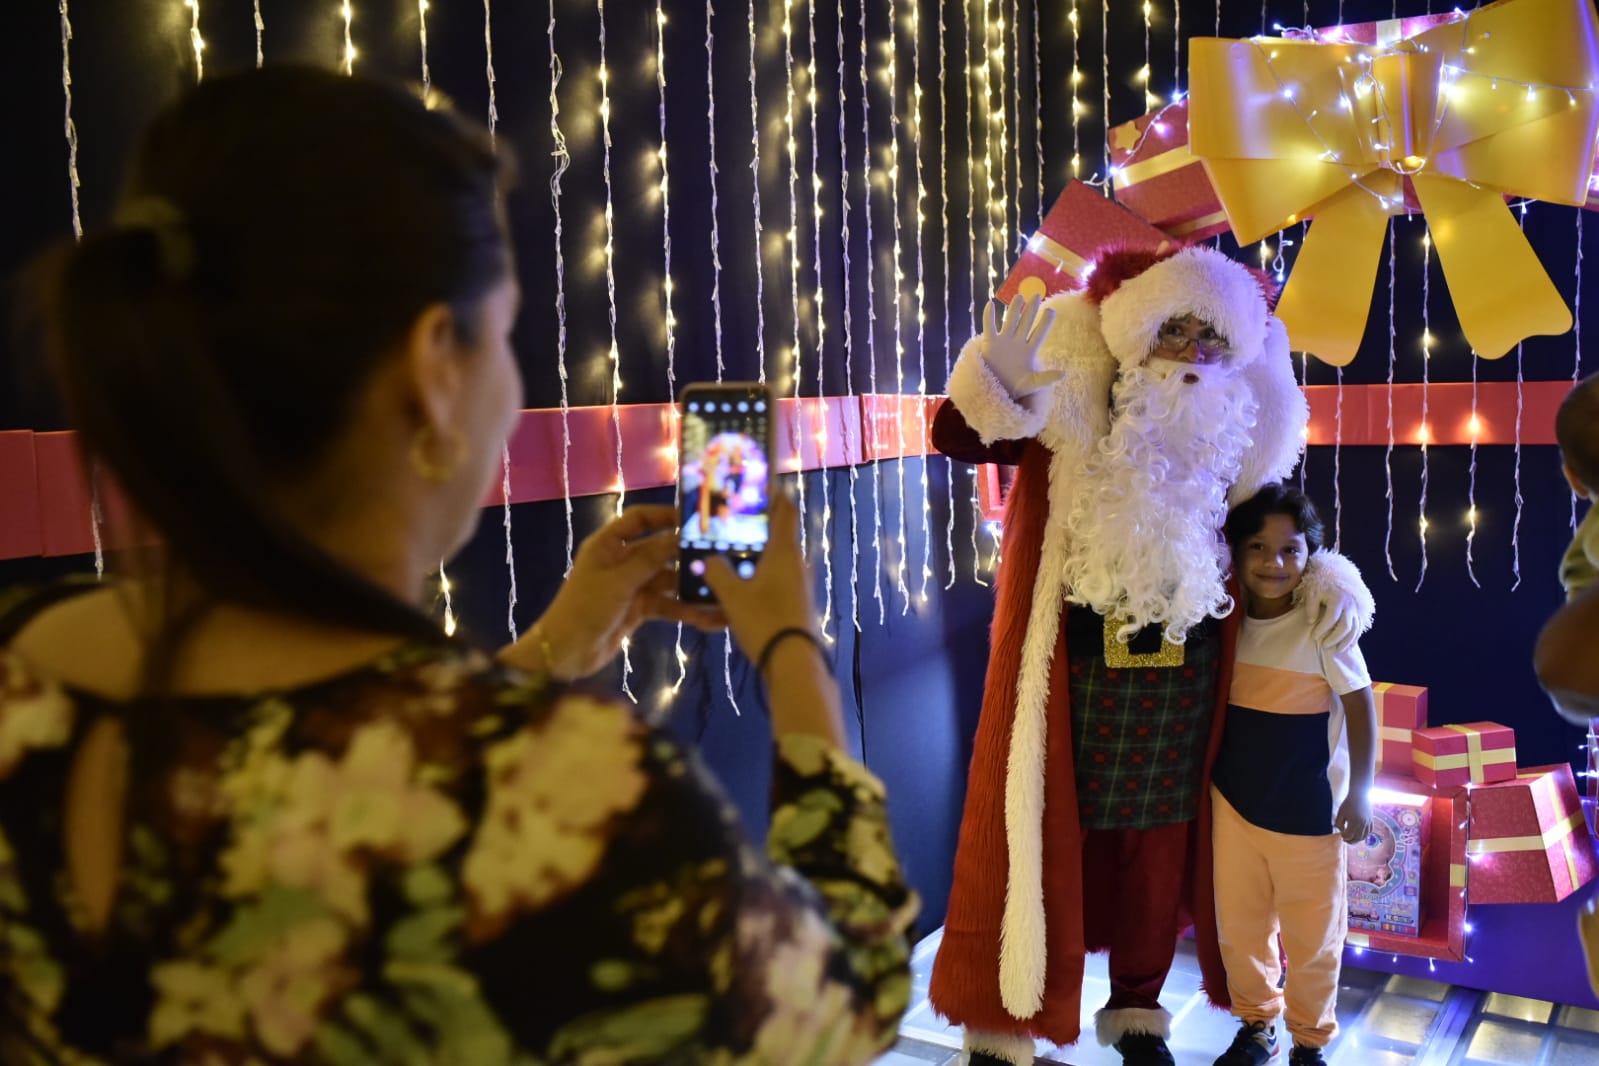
44	500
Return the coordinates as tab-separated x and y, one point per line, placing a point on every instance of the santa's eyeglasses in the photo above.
1177	334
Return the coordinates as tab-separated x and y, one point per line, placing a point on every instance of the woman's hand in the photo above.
777	597
621	577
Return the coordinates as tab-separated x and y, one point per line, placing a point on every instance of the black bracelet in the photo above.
778	638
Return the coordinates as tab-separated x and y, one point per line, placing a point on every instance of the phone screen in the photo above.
724	481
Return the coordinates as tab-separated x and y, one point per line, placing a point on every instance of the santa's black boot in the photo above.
1140	1035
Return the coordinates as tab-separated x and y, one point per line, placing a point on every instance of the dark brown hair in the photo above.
1577	431
1249	517
280	231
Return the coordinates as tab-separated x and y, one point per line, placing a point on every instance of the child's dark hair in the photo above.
1249	517
1577	431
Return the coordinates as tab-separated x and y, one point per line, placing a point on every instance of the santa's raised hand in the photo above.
1010	345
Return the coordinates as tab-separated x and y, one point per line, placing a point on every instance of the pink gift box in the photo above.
1476	753
1528	842
1081	224
1156	176
1401	710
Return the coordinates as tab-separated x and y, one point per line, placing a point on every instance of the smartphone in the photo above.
724	481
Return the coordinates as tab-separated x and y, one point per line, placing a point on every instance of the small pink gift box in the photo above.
1477	753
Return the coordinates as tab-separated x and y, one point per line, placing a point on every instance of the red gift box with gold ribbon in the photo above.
1156	177
1080	225
1477	753
1401	710
1528	842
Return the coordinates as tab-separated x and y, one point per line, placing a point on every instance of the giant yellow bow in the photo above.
1500	102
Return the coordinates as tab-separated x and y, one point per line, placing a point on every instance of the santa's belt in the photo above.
1086	635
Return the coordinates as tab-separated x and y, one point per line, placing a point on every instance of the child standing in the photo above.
1289	790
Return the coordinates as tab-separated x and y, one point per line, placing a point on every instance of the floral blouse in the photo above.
430	860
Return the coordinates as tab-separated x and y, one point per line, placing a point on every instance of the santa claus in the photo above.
1136	411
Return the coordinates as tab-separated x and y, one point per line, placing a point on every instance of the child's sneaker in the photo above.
1306	1056
1255	1043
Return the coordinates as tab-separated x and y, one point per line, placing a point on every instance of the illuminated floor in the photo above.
1384	1020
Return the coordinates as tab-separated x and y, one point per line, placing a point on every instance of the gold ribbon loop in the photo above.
1497	103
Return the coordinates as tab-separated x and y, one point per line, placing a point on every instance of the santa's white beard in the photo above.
1149	502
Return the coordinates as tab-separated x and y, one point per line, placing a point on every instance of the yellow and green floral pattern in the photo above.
429	861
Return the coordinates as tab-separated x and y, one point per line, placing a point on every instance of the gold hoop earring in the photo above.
424	458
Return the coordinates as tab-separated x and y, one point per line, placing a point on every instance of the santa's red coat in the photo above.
965	984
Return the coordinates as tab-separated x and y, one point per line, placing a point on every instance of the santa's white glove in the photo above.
1340	604
1010	347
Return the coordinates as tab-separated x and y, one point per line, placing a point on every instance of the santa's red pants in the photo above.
1132	906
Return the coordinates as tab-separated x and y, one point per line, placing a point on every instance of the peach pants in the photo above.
1269	883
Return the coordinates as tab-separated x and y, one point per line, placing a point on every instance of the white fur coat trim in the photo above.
1280	419
984	402
1022	951
1330	578
1111	1025
1016	1050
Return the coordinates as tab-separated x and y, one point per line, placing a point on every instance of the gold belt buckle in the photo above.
1118	656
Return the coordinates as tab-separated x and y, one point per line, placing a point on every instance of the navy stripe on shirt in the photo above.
1273	770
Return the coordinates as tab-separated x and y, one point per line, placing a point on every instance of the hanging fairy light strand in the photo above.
1515	528
1076	81
488	68
994	130
755	189
1104	81
716	271
505	446
1388	456
921	292
1474	426
668	319
196	43
892	73
610	295
972	118
1014	121
74	181
1426	369
1177	47
260	28
74	184
821	333
943	228
349	44
1144	73
871	318
422	33
1038	113
791	253
1576	331
849	332
563	159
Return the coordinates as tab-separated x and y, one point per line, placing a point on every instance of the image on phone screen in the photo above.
724	483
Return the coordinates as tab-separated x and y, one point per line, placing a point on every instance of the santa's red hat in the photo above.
1139	290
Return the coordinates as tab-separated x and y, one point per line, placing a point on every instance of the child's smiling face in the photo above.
1270	564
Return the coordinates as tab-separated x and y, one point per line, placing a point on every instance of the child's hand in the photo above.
1353	820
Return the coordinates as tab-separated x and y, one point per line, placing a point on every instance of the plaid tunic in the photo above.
1139	733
